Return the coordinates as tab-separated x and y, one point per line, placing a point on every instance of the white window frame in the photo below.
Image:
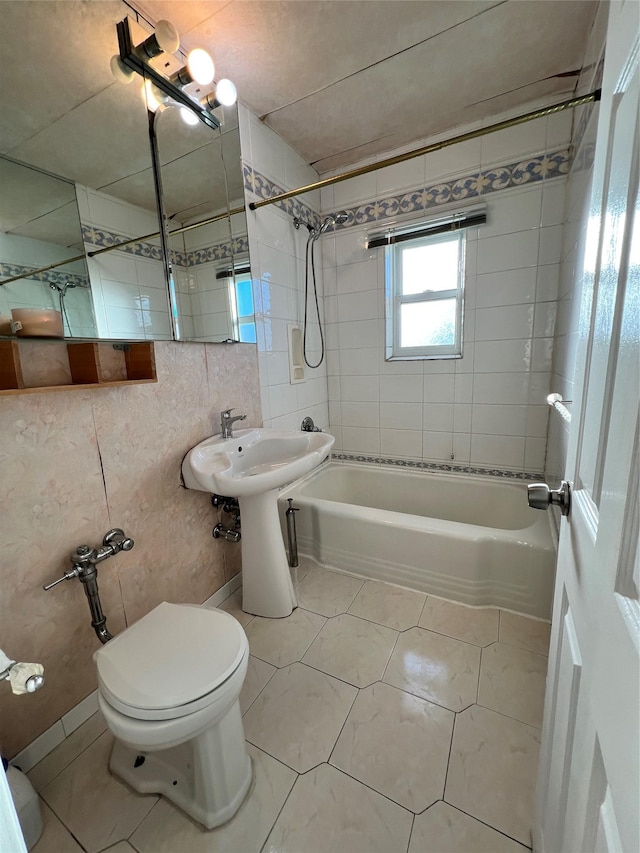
395	299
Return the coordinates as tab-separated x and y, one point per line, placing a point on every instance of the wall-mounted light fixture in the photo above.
162	91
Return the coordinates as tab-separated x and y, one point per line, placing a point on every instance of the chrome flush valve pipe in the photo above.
84	561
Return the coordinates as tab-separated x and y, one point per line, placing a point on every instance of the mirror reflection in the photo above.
40	228
201	183
88	136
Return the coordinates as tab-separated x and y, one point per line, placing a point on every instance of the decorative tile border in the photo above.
496	179
438	466
47	277
262	187
100	238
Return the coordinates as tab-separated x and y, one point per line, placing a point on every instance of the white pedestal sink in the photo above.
251	467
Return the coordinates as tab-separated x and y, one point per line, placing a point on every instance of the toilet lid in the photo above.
172	656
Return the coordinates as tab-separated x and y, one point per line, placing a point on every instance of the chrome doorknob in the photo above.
540	496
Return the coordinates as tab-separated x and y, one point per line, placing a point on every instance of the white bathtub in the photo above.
470	539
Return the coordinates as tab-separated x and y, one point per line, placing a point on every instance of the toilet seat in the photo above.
171	663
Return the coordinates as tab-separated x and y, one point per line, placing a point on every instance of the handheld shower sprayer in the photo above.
310	272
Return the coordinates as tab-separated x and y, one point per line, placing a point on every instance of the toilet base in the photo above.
207	777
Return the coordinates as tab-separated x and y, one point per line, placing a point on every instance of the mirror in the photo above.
40	227
88	134
201	183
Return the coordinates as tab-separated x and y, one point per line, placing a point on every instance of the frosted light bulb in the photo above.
200	66
226	93
187	116
154	98
167	37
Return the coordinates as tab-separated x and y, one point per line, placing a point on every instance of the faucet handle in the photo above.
226	413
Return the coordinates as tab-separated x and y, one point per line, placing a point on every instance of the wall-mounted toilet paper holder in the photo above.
15	672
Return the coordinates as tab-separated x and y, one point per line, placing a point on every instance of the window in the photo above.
424	288
244	324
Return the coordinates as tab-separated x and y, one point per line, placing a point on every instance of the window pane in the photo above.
428	324
433	266
244	296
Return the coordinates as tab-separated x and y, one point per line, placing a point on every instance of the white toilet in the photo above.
168	687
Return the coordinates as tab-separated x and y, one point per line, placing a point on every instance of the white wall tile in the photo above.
400	415
402	389
358	306
437	446
359	388
514	142
357	414
359	334
463	388
534	454
361	361
500	323
553	202
547	282
401	442
545	320
360	440
510	287
438	417
499	420
513	251
503	356
438	389
550	245
512	211
357	277
501	451
508	388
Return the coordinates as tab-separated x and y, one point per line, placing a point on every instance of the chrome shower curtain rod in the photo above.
435	146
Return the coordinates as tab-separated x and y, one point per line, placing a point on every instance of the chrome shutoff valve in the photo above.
540	496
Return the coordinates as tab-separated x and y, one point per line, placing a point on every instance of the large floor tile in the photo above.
388	605
258	673
437	668
352	649
478	626
524	632
299	572
121	847
233	605
55	837
167	830
327	812
298	716
397	744
512	682
97	808
443	829
70	748
284	641
492	771
328	593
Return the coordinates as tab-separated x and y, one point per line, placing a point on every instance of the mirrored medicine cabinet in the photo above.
79	218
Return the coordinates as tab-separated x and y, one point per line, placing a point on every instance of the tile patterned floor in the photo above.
378	719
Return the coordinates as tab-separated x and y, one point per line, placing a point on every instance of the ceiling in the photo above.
343	80
339	81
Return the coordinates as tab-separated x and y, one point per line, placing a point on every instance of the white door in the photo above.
588	790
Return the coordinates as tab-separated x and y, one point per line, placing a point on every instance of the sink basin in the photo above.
253	461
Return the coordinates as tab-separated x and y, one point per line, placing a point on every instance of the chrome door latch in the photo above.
540	496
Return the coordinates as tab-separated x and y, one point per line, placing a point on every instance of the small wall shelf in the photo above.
28	367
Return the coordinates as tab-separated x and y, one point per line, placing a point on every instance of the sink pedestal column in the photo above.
267	589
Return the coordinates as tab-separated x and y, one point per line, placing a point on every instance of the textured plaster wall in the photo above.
76	463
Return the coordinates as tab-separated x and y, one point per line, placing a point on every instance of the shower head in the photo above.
331	220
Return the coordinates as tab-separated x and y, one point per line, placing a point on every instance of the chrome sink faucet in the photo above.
227	421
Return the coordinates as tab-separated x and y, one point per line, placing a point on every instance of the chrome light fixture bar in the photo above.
130	56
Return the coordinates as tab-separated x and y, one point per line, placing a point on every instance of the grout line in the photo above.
484	823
